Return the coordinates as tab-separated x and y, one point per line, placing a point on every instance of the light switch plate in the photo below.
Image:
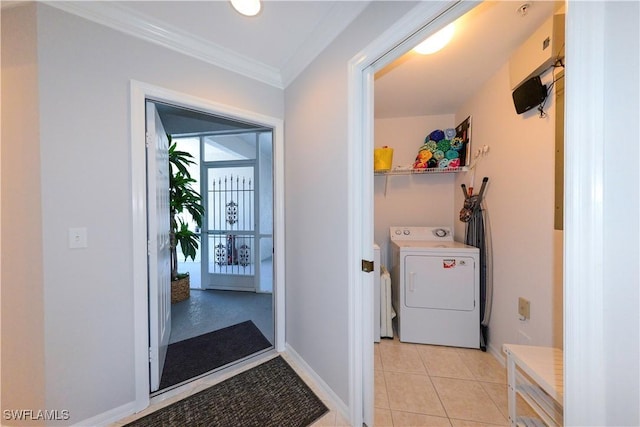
78	238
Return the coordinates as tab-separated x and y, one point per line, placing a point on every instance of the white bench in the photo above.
535	373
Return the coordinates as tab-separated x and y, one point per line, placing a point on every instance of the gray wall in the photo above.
621	211
83	71
316	177
65	163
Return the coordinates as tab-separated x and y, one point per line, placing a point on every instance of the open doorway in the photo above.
226	313
140	93
391	188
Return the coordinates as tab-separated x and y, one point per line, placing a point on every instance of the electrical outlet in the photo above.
523	308
78	238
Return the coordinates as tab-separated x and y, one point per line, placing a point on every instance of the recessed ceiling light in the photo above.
523	9
247	7
436	41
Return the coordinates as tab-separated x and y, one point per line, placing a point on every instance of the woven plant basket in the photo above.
179	290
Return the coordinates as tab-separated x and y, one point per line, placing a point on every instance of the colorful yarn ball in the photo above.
444	163
449	133
451	154
454	163
430	145
436	135
438	154
425	155
432	163
444	145
457	144
422	158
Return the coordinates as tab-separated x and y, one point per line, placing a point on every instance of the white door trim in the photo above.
421	21
139	92
584	343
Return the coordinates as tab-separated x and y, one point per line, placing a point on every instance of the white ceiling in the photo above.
274	37
440	83
275	46
272	47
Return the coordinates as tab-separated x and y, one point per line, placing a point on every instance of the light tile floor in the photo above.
425	385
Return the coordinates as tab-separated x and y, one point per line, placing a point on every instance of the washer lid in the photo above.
434	246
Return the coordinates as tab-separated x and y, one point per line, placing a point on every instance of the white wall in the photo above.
520	202
84	71
316	135
411	200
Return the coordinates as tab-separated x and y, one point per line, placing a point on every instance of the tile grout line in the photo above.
438	394
465	362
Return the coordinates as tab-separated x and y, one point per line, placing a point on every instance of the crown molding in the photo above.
330	26
136	24
133	23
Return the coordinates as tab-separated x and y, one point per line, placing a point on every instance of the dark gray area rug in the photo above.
195	356
269	395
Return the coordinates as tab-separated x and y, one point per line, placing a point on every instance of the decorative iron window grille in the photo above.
231	218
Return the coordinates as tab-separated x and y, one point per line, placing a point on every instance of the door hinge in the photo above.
367	266
150	354
147	139
148	247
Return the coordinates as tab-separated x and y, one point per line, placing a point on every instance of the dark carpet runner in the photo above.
196	356
269	395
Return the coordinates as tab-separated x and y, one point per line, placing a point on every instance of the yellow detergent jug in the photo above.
382	159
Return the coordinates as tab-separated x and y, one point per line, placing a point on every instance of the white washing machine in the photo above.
436	287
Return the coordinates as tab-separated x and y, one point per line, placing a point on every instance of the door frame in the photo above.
584	210
423	20
139	92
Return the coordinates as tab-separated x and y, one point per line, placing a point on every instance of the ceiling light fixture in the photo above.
436	41
247	7
524	9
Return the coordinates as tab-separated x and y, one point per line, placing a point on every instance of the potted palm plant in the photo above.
183	201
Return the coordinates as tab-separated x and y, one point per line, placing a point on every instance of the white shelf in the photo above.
536	374
529	422
432	171
421	171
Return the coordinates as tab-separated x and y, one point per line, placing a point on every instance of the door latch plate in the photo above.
367	266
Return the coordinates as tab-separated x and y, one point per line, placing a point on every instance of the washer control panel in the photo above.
421	233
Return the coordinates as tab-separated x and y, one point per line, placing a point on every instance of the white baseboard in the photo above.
110	416
497	354
117	414
333	398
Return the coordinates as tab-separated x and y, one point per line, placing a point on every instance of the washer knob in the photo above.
398	232
406	232
440	232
